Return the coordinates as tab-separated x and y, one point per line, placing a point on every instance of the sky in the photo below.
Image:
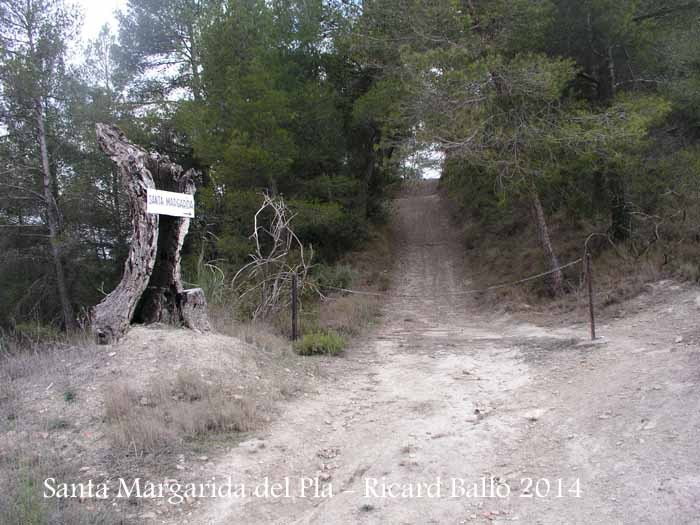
96	13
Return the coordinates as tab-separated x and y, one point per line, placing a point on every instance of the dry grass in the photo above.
118	401
132	427
188	387
127	409
259	335
24	469
349	314
285	374
619	278
23	367
172	411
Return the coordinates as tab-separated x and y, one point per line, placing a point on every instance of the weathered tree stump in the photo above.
151	288
193	309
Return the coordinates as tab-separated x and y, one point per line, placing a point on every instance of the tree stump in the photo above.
151	287
193	309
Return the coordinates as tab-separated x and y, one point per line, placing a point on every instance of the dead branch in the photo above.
278	255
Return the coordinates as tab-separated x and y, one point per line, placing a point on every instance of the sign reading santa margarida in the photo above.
170	203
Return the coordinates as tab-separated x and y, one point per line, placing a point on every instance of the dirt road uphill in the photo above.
445	413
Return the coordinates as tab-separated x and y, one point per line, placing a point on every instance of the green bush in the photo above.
328	227
342	189
335	276
321	342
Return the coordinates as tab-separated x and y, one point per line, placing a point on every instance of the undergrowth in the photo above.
507	250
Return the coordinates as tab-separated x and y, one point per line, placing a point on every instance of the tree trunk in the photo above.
111	318
161	300
53	218
555	279
151	288
620	217
116	211
607	76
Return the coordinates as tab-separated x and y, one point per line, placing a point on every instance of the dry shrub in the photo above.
144	431
189	386
215	414
689	271
350	315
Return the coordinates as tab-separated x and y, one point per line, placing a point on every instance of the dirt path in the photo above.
441	390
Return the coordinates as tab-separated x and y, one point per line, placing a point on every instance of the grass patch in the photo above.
321	342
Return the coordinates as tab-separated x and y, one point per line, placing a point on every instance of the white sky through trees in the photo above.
96	13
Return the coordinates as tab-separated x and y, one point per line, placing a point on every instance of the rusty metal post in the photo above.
589	279
295	333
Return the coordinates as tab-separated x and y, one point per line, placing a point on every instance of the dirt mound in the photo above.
64	388
149	351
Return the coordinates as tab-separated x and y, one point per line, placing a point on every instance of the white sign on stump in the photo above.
169	203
